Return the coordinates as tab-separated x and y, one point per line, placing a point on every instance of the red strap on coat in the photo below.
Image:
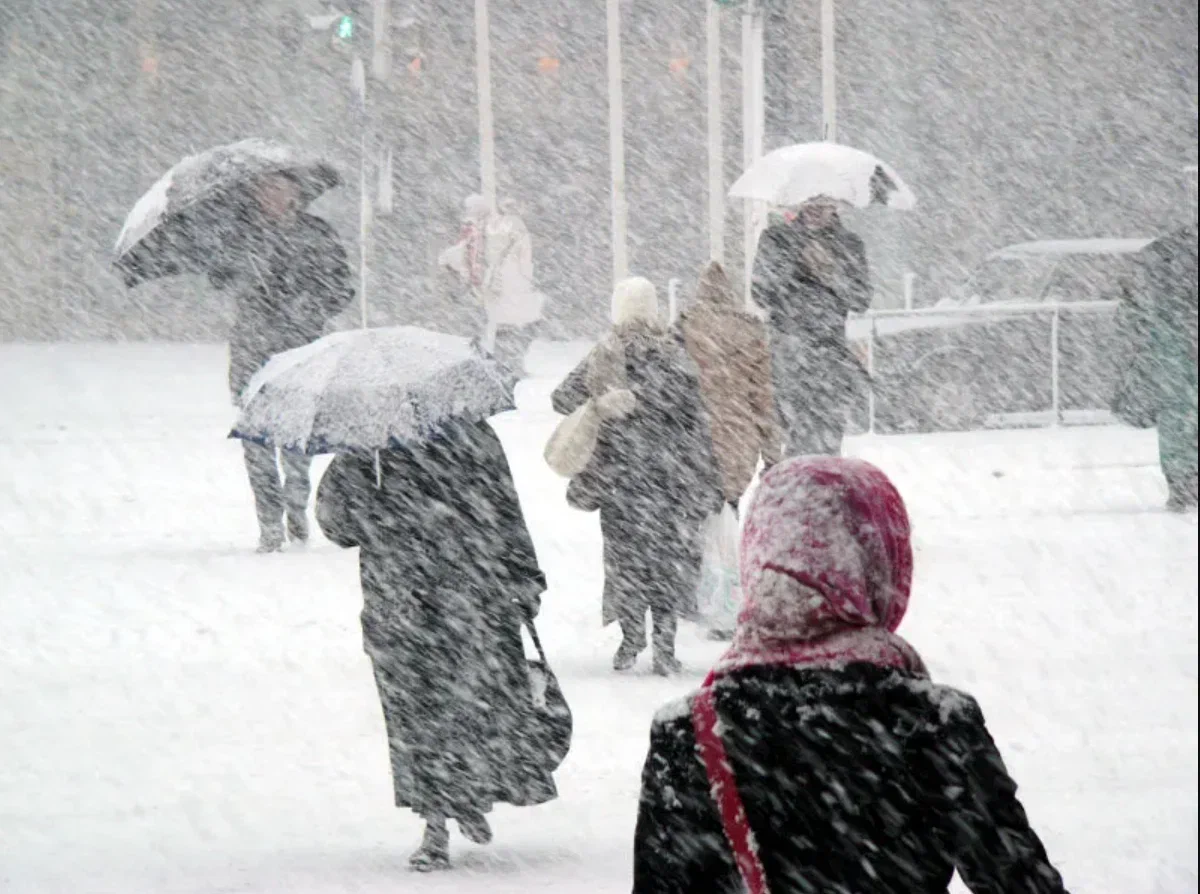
723	786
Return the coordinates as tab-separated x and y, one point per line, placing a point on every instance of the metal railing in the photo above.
960	315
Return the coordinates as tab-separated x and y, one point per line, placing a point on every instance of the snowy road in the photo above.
178	714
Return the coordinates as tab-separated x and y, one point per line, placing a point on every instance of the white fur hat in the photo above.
634	300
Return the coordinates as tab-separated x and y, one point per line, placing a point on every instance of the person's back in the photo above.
661	453
818	757
289	284
728	345
862	779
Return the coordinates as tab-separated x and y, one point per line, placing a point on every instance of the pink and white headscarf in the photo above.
827	569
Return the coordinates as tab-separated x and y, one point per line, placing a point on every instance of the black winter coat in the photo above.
862	781
814	373
448	573
653	476
289	284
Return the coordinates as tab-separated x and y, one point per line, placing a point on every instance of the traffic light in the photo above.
345	28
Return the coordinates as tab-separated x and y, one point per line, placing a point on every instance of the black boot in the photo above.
271	539
626	656
434	852
297	527
475	828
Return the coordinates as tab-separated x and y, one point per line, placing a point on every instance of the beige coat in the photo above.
729	346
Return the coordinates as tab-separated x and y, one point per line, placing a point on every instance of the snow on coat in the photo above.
863	779
448	573
808	281
850	770
729	347
288	284
652	476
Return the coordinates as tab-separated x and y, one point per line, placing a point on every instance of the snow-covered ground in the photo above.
178	714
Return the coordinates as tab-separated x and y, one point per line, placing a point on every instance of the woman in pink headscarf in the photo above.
818	757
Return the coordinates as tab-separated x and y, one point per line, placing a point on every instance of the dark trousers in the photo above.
633	629
277	491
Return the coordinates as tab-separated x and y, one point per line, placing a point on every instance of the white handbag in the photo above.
570	448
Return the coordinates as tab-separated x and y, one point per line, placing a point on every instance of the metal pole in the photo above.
828	72
1055	398
748	143
616	143
364	226
716	150
483	73
358	78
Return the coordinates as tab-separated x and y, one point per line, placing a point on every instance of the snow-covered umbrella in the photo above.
794	174
371	389
181	223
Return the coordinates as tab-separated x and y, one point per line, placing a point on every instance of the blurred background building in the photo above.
1011	121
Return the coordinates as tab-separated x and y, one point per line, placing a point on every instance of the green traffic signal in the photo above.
345	27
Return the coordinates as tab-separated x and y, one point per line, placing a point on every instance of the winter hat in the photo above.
826	568
635	300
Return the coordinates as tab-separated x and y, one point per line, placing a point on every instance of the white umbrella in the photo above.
794	174
370	389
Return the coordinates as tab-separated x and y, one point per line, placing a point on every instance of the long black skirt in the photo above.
456	702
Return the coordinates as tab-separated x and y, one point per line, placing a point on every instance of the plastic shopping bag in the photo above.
720	596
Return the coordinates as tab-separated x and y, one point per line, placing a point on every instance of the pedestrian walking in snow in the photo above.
810	272
494	256
652	474
728	344
289	274
449	575
818	756
1159	386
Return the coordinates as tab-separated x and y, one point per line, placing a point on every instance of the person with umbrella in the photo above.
291	278
422	487
236	214
810	272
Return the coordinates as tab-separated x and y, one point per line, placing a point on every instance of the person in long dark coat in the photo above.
810	272
818	756
1159	382
449	575
289	275
653	475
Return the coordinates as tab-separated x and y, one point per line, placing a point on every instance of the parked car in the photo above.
984	355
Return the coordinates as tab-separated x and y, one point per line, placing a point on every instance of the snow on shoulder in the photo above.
676	709
950	702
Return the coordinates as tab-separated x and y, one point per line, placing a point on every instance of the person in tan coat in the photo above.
728	344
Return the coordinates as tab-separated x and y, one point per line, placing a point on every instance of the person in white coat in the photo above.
494	255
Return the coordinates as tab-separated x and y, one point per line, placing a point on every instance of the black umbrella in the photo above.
182	222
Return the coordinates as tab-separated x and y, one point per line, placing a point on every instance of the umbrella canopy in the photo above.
370	389
794	174
181	223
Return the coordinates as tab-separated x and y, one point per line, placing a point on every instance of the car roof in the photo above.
1049	247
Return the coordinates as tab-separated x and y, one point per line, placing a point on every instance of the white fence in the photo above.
875	323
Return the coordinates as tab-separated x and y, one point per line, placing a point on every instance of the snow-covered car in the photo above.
986	355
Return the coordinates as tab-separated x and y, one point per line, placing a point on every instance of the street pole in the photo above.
752	126
358	78
828	72
716	149
483	73
616	143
